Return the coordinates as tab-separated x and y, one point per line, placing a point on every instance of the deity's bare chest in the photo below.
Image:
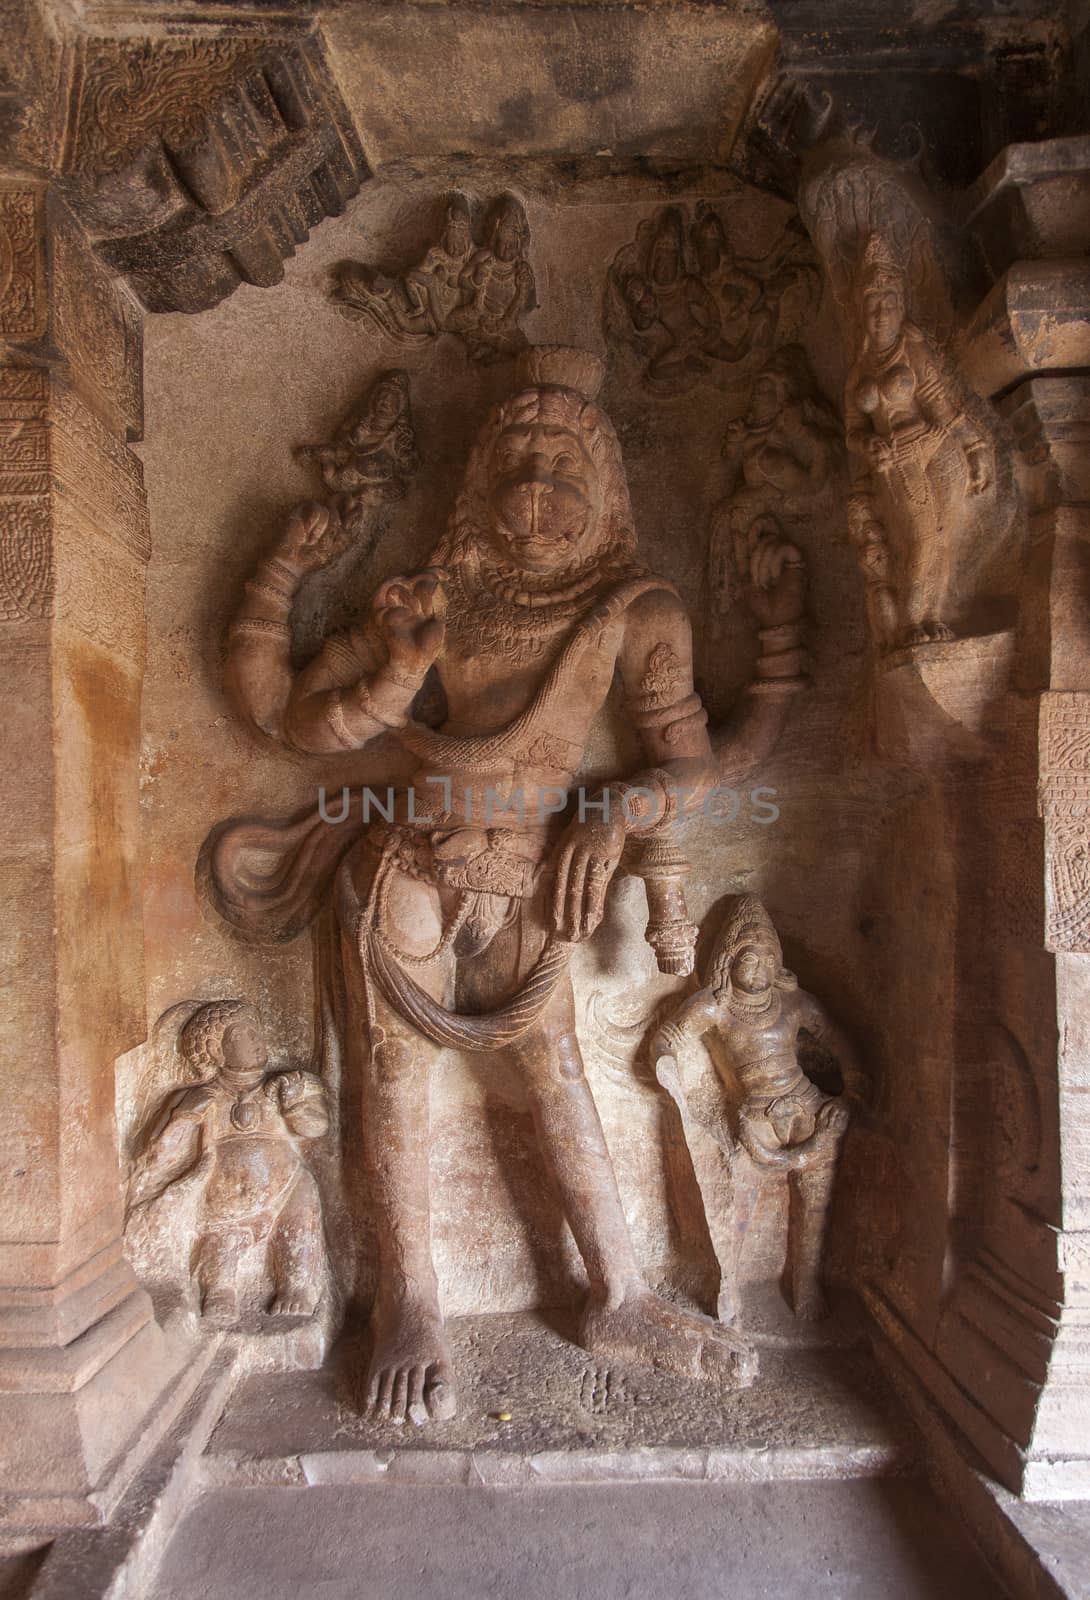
763	1049
498	660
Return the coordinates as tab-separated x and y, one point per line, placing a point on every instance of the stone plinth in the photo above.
536	1409
938	702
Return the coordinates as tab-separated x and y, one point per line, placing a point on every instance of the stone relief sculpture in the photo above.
868	539
480	292
369	461
373	453
236	1134
683	301
762	1119
918	457
481	880
781	454
1064	804
910	438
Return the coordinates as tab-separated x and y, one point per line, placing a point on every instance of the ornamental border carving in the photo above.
1064	803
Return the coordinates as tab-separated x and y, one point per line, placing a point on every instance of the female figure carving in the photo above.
911	439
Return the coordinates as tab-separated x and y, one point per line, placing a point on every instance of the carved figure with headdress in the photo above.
762	1110
920	457
236	1133
782	454
478	291
689	306
497	285
373	453
909	436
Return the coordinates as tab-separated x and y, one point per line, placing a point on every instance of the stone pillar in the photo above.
81	1357
1009	1361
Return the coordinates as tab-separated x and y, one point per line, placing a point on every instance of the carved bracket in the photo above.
189	193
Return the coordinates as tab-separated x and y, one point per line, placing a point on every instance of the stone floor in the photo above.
559	1478
535	1408
858	1540
563	1478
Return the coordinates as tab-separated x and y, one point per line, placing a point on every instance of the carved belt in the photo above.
488	861
490	1030
497	861
791	1116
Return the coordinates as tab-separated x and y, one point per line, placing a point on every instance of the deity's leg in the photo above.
296	1251
568	1126
746	1185
929	555
410	1373
215	1268
811	1193
623	1321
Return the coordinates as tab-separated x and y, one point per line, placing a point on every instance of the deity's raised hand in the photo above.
409	613
314	538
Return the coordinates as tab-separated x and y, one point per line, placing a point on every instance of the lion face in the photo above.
543	495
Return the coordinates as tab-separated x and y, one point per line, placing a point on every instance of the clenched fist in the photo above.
409	613
314	538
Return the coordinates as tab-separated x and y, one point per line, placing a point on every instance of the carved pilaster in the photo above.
1050	417
81	1359
1004	1351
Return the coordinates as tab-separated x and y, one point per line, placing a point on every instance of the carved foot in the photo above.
410	1377
219	1306
301	1302
927	633
649	1332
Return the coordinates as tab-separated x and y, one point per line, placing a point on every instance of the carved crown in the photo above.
748	923
878	265
561	366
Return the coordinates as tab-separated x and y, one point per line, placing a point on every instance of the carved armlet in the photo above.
268	597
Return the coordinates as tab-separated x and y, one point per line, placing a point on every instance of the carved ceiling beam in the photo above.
198	163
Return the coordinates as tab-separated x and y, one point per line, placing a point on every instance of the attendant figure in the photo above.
372	455
433	288
770	1120
497	286
913	446
237	1132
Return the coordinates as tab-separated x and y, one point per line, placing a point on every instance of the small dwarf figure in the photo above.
238	1129
776	1121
